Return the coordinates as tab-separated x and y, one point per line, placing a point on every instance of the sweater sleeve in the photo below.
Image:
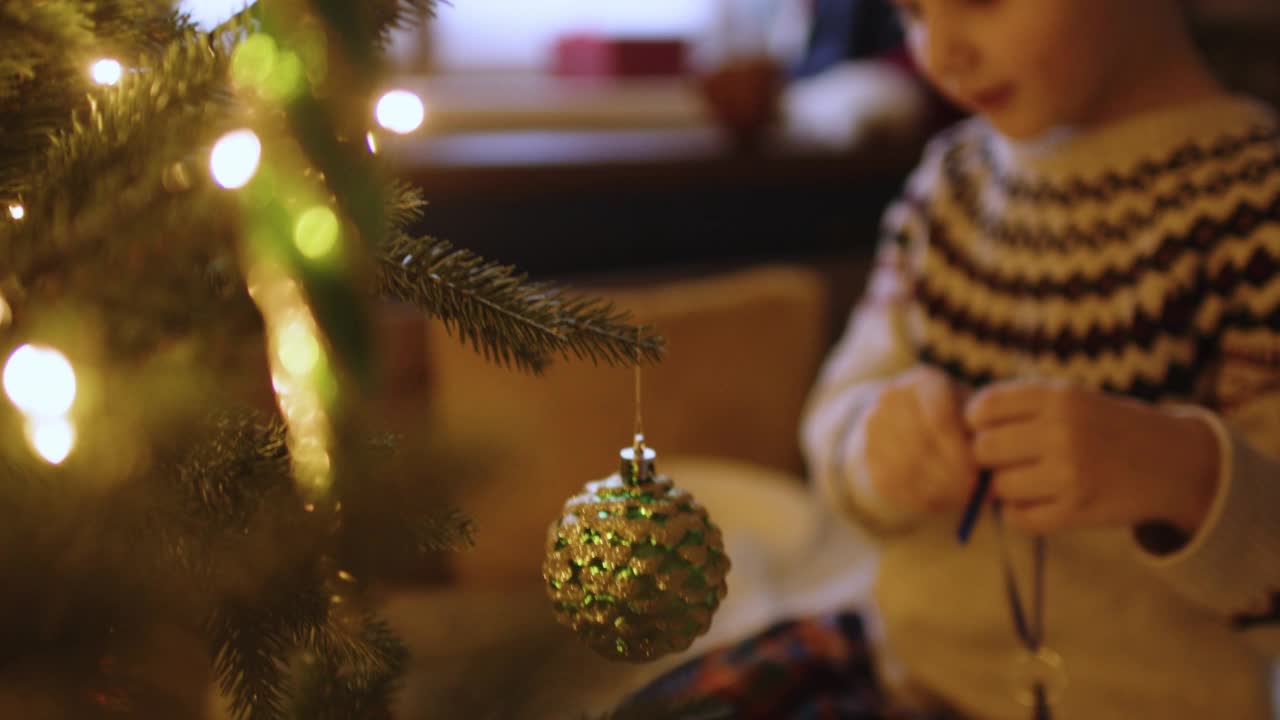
1232	564
878	343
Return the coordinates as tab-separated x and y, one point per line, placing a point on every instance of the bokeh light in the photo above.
297	349
234	159
253	60
106	71
51	438
400	111
40	381
316	232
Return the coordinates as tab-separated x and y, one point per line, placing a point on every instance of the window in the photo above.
520	34
208	13
502	34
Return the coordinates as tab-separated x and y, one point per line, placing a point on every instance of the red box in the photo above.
596	56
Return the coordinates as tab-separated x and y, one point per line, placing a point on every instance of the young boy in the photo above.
1078	294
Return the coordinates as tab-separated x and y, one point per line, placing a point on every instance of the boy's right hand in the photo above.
913	443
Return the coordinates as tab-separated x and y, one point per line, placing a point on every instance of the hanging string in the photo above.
639	429
637	445
1028	622
643	468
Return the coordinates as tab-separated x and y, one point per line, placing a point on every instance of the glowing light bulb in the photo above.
316	232
106	71
234	159
400	111
40	381
372	142
51	438
17	212
297	349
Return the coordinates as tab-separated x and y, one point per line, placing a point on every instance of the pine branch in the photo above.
400	506
502	314
125	232
28	34
242	462
285	655
318	667
121	194
257	642
46	49
391	15
351	678
126	29
243	22
405	205
383	17
370	653
250	650
222	537
368	25
109	167
396	546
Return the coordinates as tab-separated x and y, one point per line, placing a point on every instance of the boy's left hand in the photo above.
1066	457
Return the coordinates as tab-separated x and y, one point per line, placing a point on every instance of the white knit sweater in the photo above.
1141	259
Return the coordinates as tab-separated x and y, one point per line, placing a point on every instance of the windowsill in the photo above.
490	123
480	102
565	177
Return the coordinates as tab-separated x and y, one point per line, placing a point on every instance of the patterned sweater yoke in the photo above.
1099	259
1139	259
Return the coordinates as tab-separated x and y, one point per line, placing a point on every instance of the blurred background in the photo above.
717	168
578	136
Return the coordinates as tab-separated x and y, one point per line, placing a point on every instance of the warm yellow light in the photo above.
253	59
371	141
40	381
51	438
106	71
400	111
297	349
316	232
17	212
257	62
234	159
286	78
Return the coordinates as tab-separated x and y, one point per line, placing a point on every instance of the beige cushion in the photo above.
743	348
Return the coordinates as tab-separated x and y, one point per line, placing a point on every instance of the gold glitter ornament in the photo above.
634	564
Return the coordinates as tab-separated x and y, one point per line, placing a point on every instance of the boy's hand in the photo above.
1068	457
914	446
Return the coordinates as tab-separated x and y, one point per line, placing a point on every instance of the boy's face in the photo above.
1027	65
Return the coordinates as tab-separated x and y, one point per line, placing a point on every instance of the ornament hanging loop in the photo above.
637	460
634	564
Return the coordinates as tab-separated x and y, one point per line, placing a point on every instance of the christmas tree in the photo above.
193	498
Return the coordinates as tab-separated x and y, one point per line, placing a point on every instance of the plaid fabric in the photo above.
816	668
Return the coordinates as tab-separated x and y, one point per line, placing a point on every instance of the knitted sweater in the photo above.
1140	258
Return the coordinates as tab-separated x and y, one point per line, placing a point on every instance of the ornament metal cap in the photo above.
637	472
